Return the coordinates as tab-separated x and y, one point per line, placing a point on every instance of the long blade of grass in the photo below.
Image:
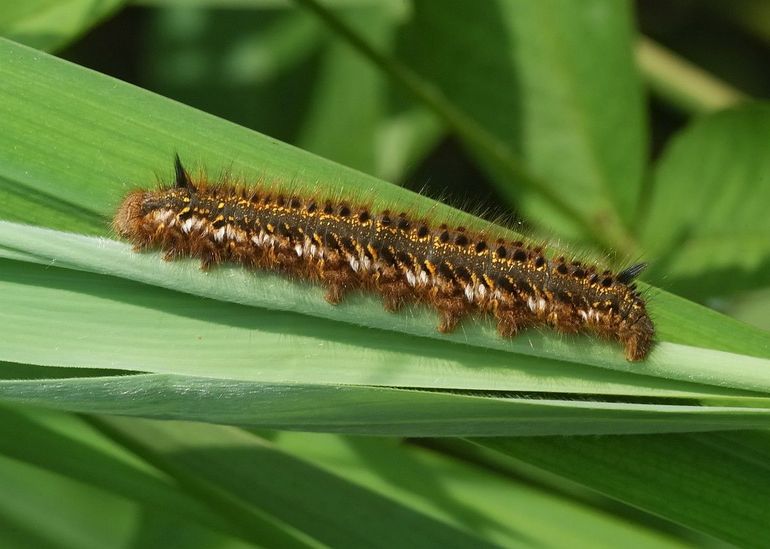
276	293
367	410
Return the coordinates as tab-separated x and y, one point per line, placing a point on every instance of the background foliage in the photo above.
570	118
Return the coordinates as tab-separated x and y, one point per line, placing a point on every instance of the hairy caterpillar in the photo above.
346	246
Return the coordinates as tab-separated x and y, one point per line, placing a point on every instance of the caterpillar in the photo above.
345	245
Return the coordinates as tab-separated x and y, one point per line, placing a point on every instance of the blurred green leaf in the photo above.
350	97
717	483
257	67
511	174
250	65
51	24
708	228
352	117
90	519
752	307
565	96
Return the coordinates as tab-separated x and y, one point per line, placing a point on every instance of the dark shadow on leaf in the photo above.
329	508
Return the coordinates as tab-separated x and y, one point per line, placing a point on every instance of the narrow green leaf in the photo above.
91	519
367	410
683	84
104	138
38	208
96	321
274	292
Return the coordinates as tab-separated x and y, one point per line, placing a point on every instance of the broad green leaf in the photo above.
51	24
708	228
716	483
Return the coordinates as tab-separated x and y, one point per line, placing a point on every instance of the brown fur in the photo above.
401	258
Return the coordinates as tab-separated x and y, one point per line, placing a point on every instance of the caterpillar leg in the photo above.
451	312
511	321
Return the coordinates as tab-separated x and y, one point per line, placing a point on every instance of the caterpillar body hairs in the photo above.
344	245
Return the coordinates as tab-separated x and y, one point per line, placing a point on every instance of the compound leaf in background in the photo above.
707	228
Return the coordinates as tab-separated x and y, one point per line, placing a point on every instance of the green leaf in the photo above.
565	96
246	65
244	351
96	147
682	84
68	455
90	519
324	506
349	102
111	149
367	410
716	483
507	508
30	206
271	291
708	227
51	24
752	307
239	64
